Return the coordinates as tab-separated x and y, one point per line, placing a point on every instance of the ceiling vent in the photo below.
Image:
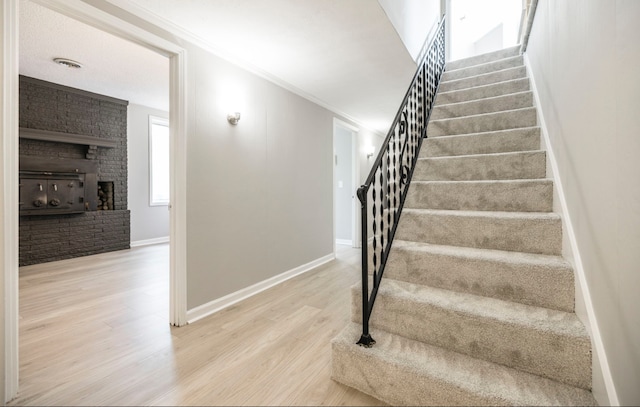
68	63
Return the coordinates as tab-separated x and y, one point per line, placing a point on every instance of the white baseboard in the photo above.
596	338
219	304
344	242
147	242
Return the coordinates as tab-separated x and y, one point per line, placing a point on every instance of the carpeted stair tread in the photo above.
428	375
487	105
481	307
475	70
483	91
484	79
504	120
511	276
550	343
498	166
518	195
483	58
528	232
502	141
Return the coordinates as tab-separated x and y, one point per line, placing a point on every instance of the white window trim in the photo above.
155	120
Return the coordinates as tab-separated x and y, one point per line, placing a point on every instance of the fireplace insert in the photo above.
57	186
46	192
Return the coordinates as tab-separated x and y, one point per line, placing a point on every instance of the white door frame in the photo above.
355	176
9	204
98	17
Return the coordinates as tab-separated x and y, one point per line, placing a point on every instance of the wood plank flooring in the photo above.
94	331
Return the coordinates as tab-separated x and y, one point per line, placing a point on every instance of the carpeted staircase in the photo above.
477	304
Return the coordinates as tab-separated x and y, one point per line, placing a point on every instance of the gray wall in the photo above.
584	57
259	193
147	222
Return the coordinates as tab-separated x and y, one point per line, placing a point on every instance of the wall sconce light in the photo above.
233	118
369	151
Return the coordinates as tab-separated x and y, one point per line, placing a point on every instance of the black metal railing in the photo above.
387	184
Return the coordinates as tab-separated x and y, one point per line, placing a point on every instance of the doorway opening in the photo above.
345	183
96	17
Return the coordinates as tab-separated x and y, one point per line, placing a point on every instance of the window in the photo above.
158	161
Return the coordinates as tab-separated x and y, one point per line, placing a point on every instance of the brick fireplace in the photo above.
73	173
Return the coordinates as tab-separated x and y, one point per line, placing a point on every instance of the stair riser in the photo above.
548	354
524	282
354	366
524	165
526	139
486	91
482	196
483	59
490	105
450	75
486	79
541	235
482	123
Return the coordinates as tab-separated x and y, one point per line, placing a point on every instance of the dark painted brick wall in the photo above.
46	106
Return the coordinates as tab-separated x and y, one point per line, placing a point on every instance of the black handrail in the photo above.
392	170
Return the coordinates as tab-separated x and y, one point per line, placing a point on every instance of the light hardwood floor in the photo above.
94	331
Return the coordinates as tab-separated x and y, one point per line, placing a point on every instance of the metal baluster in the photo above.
383	203
394	161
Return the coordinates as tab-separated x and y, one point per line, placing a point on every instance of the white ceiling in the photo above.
111	65
344	54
